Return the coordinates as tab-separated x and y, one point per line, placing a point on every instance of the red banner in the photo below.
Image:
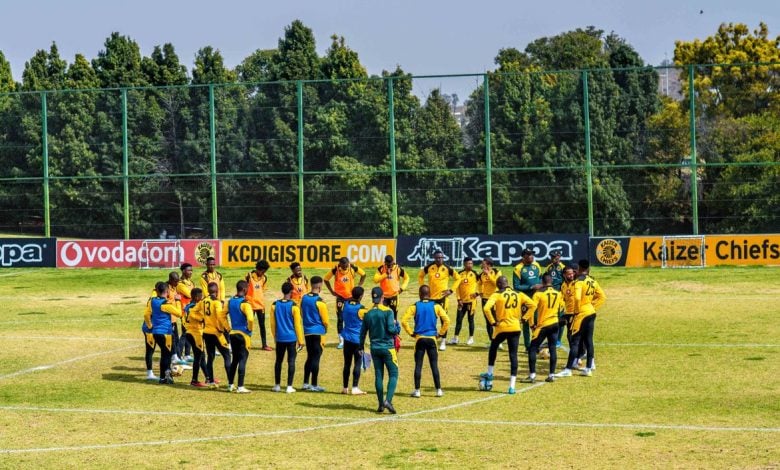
134	253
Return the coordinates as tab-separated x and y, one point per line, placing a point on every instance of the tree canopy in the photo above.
637	140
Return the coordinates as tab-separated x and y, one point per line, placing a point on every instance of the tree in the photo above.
537	121
297	57
12	196
259	66
73	154
7	84
748	190
230	118
170	198
119	64
44	71
732	102
733	90
660	195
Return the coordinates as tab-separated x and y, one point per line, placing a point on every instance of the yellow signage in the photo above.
718	250
310	253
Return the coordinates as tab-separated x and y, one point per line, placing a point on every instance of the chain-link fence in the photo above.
607	152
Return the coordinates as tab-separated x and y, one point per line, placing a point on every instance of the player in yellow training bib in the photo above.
543	323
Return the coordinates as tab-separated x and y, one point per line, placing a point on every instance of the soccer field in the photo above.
686	376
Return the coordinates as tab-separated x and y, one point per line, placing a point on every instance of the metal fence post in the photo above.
213	154
393	180
694	171
488	159
125	169
588	161
45	156
299	99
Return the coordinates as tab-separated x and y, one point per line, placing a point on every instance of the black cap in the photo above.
376	294
527	252
388	259
555	253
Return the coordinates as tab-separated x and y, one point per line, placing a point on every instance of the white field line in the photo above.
472	402
67	361
280	432
406	417
66	320
675	427
173	413
692	345
68	338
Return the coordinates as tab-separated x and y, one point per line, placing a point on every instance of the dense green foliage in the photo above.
538	141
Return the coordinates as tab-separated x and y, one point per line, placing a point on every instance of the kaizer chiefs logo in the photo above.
609	251
203	251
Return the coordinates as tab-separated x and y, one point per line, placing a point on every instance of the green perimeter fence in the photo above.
607	151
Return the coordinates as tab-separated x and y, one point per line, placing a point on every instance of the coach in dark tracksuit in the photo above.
379	325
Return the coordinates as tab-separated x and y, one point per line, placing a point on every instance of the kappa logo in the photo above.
503	252
11	253
425	249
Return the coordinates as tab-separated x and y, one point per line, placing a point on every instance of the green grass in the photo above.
686	377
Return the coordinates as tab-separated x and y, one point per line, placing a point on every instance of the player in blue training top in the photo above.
314	312
242	317
157	318
287	330
426	314
353	312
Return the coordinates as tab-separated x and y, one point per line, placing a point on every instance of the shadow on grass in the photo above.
136	369
133	378
338	406
181	382
471	349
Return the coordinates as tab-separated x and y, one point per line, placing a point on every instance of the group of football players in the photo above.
538	307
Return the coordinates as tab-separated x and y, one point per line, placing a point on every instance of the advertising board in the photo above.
310	253
505	250
28	252
736	250
134	253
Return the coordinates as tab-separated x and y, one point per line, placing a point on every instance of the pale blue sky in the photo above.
424	37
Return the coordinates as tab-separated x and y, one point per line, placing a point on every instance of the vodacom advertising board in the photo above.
310	253
134	253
